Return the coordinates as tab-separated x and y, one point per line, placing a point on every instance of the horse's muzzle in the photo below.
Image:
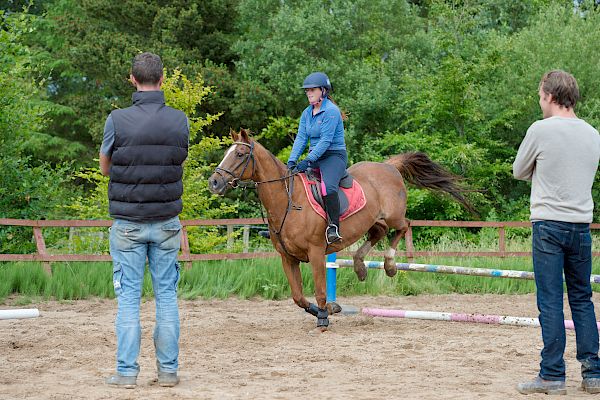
217	185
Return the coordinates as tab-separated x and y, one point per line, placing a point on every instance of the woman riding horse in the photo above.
322	123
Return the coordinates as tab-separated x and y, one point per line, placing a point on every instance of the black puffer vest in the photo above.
151	143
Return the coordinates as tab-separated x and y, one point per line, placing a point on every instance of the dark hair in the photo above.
344	116
562	86
147	68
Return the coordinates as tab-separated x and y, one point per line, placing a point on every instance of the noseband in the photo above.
245	162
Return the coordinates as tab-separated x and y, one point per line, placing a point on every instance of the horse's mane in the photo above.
280	165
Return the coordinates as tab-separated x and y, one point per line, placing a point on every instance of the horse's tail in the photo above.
417	168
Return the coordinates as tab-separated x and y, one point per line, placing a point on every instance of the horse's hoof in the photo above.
318	330
390	268
360	269
333	308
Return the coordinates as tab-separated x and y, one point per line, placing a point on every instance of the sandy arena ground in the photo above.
240	349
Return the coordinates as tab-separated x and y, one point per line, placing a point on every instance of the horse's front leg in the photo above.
291	267
316	257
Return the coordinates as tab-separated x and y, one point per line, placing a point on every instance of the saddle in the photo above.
351	195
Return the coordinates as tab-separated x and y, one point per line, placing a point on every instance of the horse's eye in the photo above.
240	155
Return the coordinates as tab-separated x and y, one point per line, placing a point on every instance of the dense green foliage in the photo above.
456	79
29	187
84	51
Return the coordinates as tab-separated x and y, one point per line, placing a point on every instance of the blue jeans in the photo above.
562	247
130	244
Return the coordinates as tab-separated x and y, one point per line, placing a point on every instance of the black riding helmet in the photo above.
317	79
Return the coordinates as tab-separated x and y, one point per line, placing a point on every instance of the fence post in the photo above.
410	248
331	277
41	248
502	241
71	236
246	238
185	248
229	236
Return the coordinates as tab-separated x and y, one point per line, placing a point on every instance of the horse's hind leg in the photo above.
375	233
389	263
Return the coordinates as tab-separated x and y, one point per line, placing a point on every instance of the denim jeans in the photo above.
130	244
562	247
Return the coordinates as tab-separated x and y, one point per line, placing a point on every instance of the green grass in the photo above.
27	282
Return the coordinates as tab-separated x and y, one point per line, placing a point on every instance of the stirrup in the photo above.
332	234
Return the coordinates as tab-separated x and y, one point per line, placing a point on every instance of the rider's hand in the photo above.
291	166
302	165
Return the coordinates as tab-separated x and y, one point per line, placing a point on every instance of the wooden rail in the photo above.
186	256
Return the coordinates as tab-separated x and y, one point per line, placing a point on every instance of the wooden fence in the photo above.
185	256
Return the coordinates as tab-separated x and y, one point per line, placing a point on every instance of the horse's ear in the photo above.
233	134
245	135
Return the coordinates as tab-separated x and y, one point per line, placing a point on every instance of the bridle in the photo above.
246	161
235	182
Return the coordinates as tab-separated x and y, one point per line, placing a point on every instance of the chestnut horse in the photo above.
297	231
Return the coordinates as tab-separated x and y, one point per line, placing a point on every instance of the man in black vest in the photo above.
143	151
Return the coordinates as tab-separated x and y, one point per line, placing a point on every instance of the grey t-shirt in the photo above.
109	137
560	157
108	141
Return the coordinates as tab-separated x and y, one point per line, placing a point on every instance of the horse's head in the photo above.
237	165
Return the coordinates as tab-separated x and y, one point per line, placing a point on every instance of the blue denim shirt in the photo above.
325	130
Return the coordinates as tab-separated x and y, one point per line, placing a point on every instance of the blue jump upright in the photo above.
331	277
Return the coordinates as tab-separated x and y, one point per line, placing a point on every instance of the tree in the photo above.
84	49
29	190
521	60
352	41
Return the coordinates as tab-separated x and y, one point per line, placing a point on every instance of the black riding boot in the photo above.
332	207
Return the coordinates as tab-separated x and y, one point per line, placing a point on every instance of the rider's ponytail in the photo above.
344	116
